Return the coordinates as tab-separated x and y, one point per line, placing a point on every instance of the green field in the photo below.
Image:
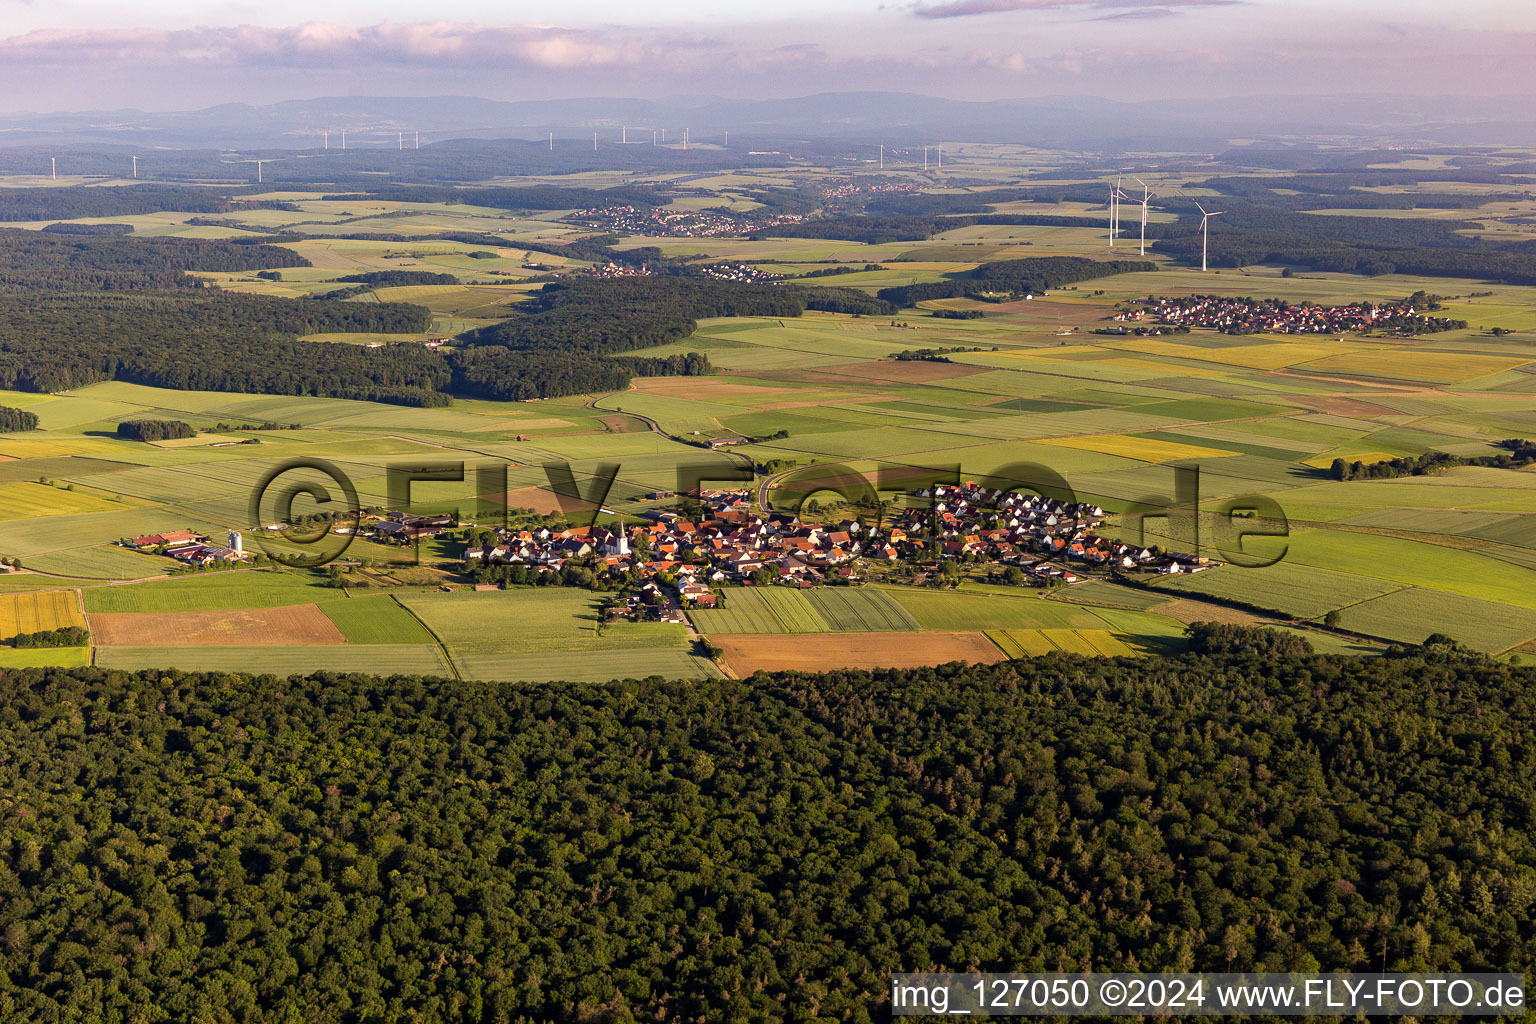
859	611
585	666
1414	613
937	609
746	611
376	619
44	657
1291	588
794	610
379	659
220	591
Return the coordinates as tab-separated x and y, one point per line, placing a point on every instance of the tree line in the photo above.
560	345
1518	453
13	420
1011	278
339	848
154	430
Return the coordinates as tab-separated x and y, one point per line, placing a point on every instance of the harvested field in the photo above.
747	653
288	626
540	499
1335	405
38	611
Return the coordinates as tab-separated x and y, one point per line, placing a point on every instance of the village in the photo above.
1272	316
676	558
670	223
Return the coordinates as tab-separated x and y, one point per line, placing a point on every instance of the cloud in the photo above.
321	43
1116	8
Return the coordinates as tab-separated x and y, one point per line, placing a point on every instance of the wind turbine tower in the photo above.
258	172
1146	197
327	139
135	167
925	159
551	142
940	150
623	136
400	140
882	156
418	139
727	140
1113	209
55	163
1205	231
343	138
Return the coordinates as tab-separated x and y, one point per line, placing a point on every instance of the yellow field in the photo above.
1324	461
1251	357
1046	353
1141	448
30	500
1163	369
1019	643
36	448
38	611
1402	364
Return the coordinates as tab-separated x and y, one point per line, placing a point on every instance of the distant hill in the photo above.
895	118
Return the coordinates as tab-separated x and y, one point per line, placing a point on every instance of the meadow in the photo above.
1031	384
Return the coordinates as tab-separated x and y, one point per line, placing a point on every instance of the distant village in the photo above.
1272	316
665	222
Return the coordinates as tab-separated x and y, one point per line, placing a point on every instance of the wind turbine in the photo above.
1205	234
1115	195
1146	197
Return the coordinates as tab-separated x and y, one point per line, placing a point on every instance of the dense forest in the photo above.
70	202
215	341
34	261
347	849
1010	278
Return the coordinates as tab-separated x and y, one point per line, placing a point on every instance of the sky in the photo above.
187	54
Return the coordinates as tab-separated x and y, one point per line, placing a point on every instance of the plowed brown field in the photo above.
291	625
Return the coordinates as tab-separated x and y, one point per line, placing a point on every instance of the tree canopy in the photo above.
341	849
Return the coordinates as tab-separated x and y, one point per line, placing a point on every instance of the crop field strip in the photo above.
380	659
39	611
747	653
